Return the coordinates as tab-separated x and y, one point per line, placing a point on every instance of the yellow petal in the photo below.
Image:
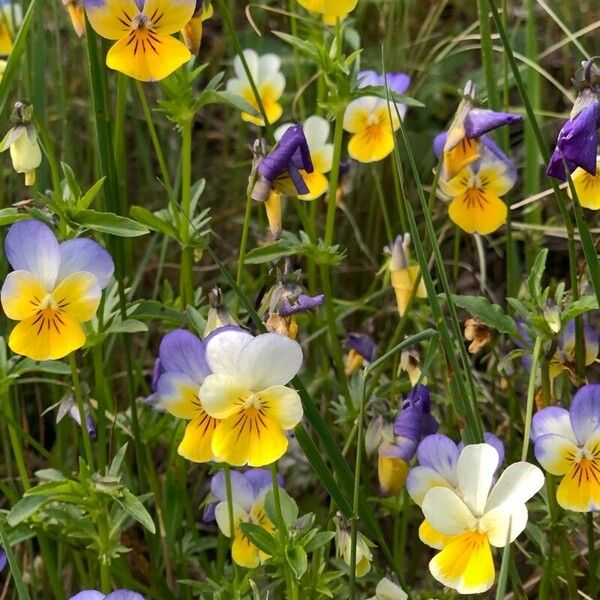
282	404
579	489
48	336
196	442
6	44
147	56
478	211
244	552
78	296
430	536
192	34
169	16
22	294
249	437
459	184
273	110
467	151
587	187
316	183
403	282
374	143
465	564
111	18
77	16
392	474
495	178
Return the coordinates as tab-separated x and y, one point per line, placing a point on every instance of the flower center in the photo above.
141	21
475	198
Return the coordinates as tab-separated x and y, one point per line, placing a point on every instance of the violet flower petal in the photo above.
479	121
585	412
362	344
303	302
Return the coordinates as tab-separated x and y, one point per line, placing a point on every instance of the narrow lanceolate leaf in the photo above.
490	314
107	222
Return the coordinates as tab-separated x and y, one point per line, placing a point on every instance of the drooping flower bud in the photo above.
362	350
192	32
218	315
76	14
404	277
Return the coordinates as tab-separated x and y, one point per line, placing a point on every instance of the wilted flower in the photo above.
463	143
23	143
316	131
192	32
274	214
248	490
247	392
587	187
116	595
218	315
269	82
404	276
410	363
476	516
183	369
343	544
68	406
280	169
76	14
145	48
478	334
476	206
330	9
52	290
361	351
388	590
567	443
577	143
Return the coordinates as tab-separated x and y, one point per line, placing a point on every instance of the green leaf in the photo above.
154	222
227	98
8	216
319	540
271	252
54	367
289	508
14	565
152	310
296	558
56	488
137	510
117	461
489	314
107	222
260	537
128	326
50	475
534	281
382	92
91	194
24	508
196	319
578	307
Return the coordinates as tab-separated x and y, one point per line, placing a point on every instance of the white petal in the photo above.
275	82
268	65
269	359
475	471
421	479
252	61
222	517
388	590
446	512
519	482
223	347
281	130
316	130
504	526
364	103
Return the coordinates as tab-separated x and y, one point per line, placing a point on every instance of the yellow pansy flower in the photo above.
145	48
316	130
247	392
53	289
330	9
269	82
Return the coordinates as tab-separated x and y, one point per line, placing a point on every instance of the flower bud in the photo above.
76	14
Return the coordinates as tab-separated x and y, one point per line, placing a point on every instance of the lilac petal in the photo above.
299	183
83	254
208	516
398	82
480	121
198	7
439	141
32	246
440	453
585	412
260	479
303	302
88	595
403	448
3	560
552	420
429	425
369	78
183	352
124	595
490	144
241	489
362	344
157	371
408	423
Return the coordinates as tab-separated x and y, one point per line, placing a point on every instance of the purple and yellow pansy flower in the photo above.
182	368
116	595
567	443
247	393
248	491
144	47
53	289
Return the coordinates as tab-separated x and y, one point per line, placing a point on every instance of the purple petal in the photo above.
3	560
208	516
124	595
408	423
32	246
552	420
440	453
83	254
369	78
182	352
198	7
439	141
303	302
157	371
480	121
260	479
362	344
398	82
585	412
88	595
429	425
241	489
403	448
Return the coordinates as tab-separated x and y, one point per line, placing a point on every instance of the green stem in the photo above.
186	279
530	395
87	443
243	245
229	496
103	534
14	565
102	395
592	557
15	439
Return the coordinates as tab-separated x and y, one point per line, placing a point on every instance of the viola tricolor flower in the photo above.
343	545
413	422
11	17
404	276
192	32
247	392
53	289
330	9
144	48
248	491
477	515
567	443
370	119
463	143
577	143
316	131
587	187
475	192
388	590
269	81
116	595
182	370
361	351
280	169
76	15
